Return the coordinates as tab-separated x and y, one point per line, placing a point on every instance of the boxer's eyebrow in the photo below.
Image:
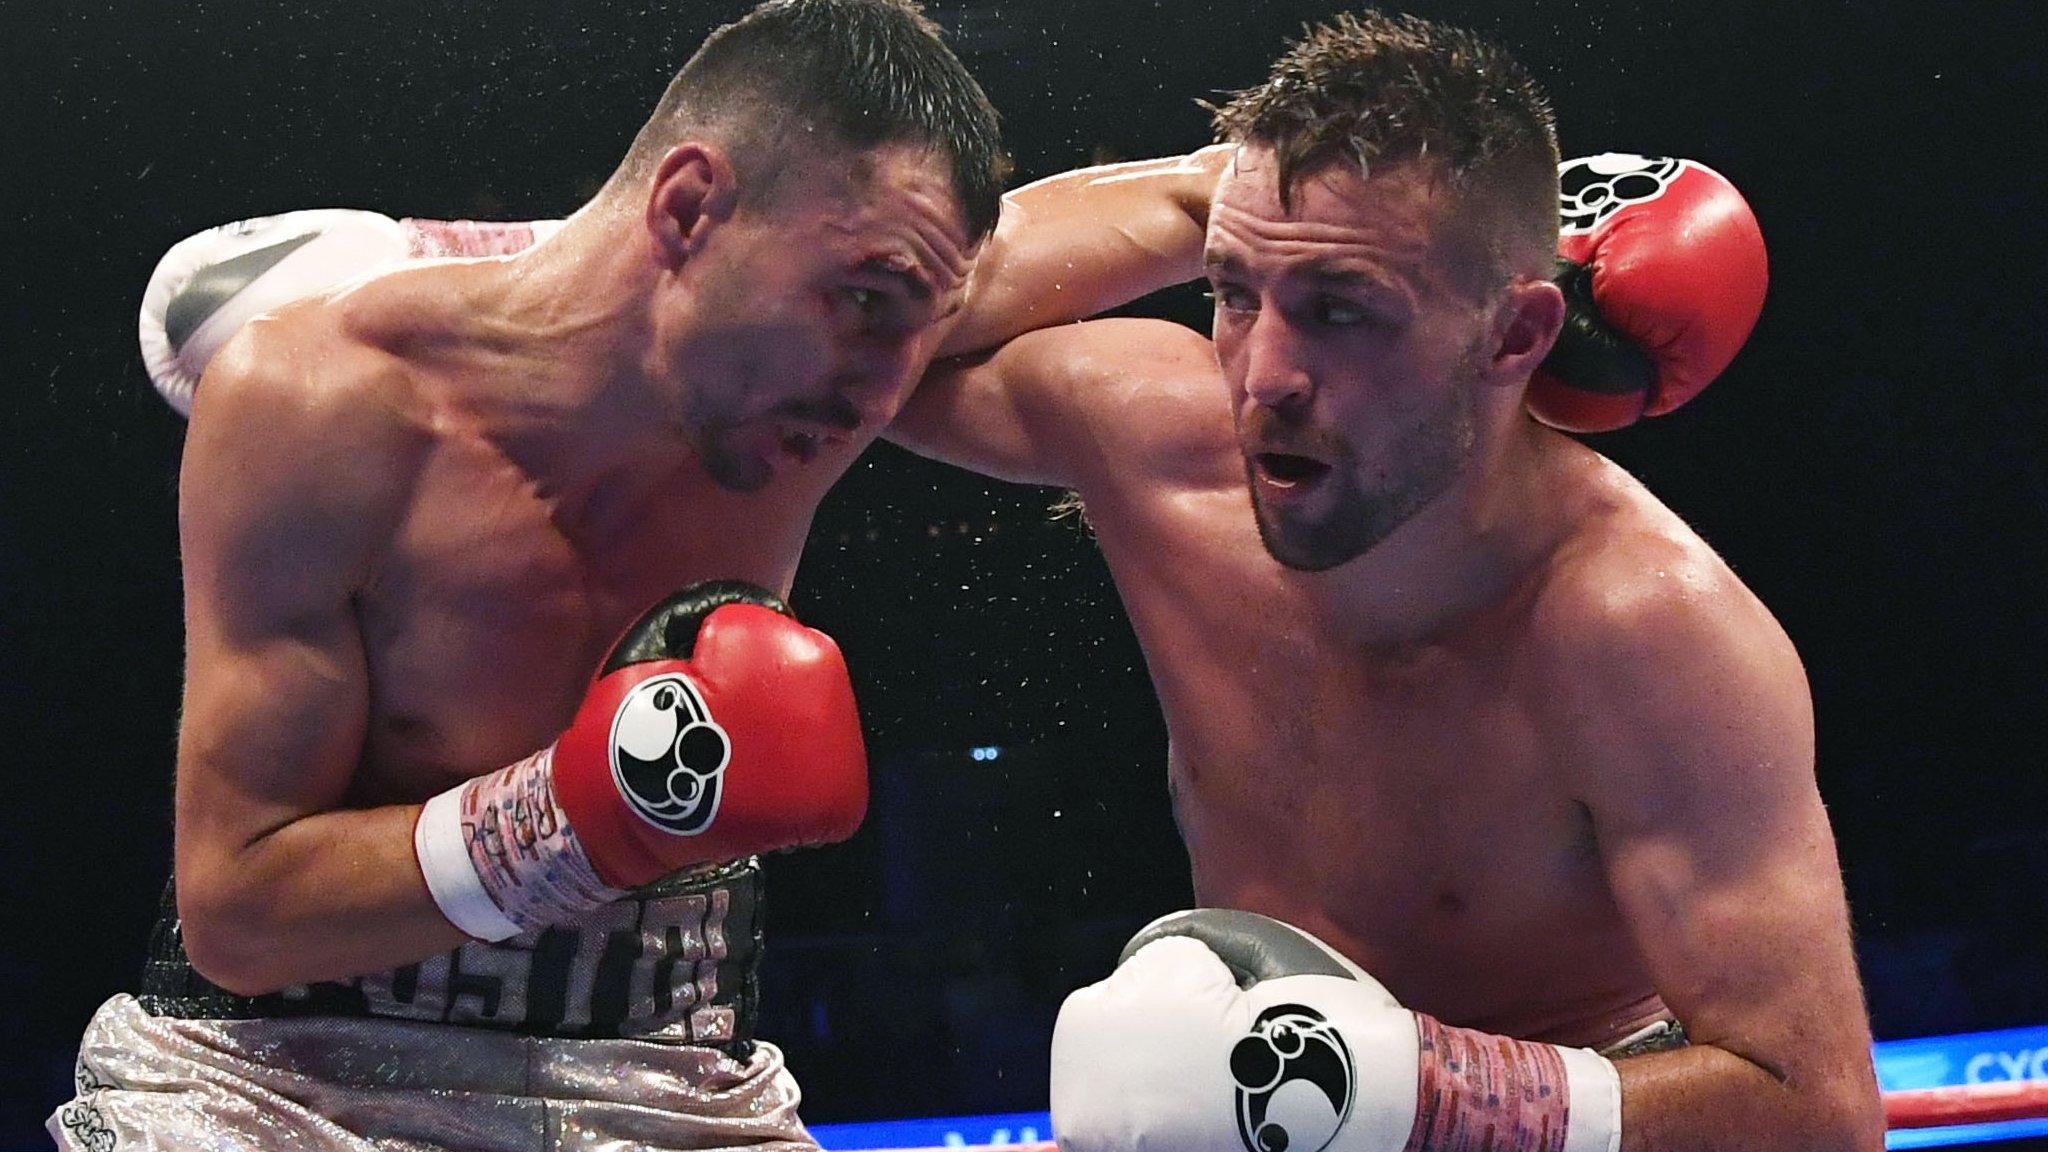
913	278
1368	283
1336	274
1326	272
1223	262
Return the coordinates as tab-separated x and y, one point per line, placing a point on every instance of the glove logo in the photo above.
1592	188
669	756
1295	1081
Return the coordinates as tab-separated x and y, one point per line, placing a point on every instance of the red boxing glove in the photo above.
718	728
1663	271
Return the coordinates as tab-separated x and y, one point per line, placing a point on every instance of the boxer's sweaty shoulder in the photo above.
321	437
1157	426
1634	585
299	436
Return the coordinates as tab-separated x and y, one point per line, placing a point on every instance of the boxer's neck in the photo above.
1470	551
552	364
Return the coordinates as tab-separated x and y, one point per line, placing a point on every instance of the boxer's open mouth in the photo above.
1286	469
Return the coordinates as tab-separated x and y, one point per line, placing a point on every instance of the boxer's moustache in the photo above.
1269	430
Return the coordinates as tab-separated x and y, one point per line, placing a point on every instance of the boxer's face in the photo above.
811	316
1352	341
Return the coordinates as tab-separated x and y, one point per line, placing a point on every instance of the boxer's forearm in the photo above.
325	897
1708	1099
1073	245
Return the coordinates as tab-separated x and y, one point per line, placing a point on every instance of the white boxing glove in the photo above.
1224	1031
209	285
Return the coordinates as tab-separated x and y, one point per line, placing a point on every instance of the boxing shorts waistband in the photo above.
1656	1036
675	961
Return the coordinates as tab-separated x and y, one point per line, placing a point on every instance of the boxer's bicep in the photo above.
274	706
1697	770
1079	243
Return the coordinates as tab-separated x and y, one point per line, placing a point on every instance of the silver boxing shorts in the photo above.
362	1083
629	1028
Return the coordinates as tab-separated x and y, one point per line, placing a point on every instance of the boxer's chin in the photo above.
1337	525
1305	543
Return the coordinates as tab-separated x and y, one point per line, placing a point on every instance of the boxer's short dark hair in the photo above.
795	78
1380	90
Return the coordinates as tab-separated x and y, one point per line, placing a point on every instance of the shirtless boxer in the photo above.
1446	691
1449	590
416	516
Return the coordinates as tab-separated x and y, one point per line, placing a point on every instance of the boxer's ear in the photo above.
1525	326
693	189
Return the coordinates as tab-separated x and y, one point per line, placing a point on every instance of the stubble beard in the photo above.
1426	462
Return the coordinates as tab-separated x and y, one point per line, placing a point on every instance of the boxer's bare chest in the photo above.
488	612
1405	804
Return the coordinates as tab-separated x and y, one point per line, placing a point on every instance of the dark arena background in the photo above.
1872	466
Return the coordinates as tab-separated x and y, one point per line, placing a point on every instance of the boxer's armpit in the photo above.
1477	1090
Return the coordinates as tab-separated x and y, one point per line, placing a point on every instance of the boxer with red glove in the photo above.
718	728
1440	682
1432	674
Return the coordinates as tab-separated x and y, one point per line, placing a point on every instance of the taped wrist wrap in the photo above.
499	856
1480	1091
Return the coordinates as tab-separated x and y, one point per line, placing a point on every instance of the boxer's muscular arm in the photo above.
1079	243
997	413
1695	759
286	497
1074	406
1064	248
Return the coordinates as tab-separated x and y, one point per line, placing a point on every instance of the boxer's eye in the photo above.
876	311
1334	313
1232	298
874	306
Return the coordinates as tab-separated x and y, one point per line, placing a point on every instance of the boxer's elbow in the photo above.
230	937
1849	1117
1839	1114
1808	1103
